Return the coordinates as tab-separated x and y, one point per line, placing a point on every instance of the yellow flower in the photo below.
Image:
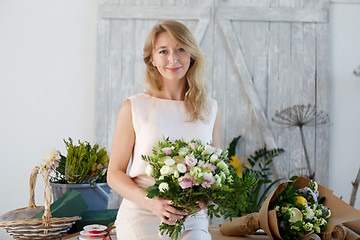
239	165
301	200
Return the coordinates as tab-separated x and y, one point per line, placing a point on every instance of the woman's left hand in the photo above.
201	206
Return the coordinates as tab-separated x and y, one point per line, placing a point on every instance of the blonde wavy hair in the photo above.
195	89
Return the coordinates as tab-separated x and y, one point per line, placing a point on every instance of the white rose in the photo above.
213	158
163	187
209	149
183	151
181	168
169	162
149	170
176	174
165	170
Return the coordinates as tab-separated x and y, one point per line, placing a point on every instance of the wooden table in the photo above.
214	231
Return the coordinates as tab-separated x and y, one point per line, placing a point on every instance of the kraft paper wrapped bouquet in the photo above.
295	209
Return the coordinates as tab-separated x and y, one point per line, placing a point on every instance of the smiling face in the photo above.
170	59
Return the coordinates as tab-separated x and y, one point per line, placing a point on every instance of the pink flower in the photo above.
193	145
51	159
208	182
167	150
186	181
209	166
190	160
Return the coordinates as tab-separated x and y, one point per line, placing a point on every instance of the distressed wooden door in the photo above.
277	57
262	56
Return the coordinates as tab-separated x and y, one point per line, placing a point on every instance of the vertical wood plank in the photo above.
243	72
102	103
298	165
322	103
308	94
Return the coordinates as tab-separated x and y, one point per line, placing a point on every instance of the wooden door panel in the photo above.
262	57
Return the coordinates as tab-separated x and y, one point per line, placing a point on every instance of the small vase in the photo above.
95	195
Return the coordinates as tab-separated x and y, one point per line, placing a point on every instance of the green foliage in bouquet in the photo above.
188	173
259	165
83	164
299	211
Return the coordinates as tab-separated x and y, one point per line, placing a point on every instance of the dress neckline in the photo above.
164	99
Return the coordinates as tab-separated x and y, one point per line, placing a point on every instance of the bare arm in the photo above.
123	143
122	148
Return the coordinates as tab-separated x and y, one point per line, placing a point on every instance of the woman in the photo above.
175	106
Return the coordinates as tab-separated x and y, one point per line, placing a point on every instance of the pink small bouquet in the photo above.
188	172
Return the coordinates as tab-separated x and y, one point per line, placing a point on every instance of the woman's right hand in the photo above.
163	209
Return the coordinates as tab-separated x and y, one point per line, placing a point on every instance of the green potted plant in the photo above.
259	164
84	169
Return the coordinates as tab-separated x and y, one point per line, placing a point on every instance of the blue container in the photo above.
96	196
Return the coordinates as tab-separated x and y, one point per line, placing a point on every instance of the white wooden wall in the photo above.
262	56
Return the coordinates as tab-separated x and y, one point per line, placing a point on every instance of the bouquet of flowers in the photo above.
295	209
300	211
188	172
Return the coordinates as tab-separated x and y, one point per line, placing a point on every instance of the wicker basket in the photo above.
19	224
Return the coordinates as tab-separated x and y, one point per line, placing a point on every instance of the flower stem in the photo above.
311	173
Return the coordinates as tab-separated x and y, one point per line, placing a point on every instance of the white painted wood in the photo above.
262	56
272	14
322	103
346	1
239	61
102	103
151	12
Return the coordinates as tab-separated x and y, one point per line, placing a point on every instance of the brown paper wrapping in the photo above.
354	226
217	235
245	225
341	212
350	235
338	233
311	236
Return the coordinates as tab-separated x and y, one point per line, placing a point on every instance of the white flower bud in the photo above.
213	158
209	149
165	170
149	170
163	187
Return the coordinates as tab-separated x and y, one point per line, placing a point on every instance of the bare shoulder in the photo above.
125	109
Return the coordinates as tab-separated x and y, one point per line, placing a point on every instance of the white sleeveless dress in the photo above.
154	119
